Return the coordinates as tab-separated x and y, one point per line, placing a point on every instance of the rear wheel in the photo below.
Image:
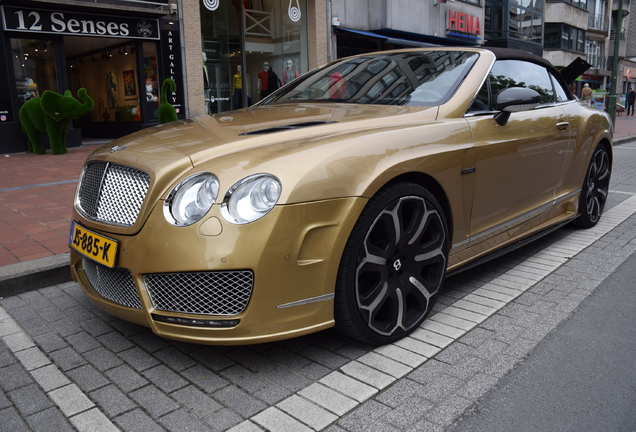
393	265
595	189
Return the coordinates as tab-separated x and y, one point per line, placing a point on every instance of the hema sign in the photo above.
79	24
463	22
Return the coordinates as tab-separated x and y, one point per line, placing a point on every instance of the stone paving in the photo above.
64	365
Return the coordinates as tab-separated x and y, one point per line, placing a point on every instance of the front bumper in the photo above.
293	252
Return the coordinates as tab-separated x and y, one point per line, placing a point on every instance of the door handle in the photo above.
563	126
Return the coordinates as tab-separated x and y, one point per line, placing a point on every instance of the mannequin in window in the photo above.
206	81
237	88
267	81
289	74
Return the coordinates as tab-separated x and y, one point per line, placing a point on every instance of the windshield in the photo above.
418	78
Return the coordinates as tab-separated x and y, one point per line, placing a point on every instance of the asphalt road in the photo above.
582	377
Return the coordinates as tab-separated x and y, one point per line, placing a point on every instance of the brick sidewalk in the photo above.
37	191
36	198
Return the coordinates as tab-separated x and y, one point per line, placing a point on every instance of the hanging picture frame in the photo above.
130	88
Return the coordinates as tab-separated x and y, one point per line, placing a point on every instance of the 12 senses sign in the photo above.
70	23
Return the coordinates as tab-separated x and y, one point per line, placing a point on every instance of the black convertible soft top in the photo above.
575	69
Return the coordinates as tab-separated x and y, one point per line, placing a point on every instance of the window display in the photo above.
268	41
267	81
110	75
34	68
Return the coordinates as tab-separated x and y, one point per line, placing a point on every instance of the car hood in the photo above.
203	138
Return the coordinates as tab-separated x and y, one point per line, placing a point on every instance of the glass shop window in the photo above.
34	68
109	75
151	92
275	45
251	48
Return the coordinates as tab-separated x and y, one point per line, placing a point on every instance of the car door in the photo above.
519	164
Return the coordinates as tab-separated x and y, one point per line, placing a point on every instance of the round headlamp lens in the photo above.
191	199
251	198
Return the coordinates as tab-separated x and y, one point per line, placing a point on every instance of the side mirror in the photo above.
514	99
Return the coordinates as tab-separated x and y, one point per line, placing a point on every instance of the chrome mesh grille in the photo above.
114	284
210	293
112	193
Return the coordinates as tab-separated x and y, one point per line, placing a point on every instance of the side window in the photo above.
561	95
519	73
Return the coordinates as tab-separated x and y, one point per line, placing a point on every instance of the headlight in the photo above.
191	199
251	198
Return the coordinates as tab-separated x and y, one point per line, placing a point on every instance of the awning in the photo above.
465	36
361	33
387	39
425	39
409	42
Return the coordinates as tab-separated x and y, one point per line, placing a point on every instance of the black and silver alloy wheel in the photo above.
393	266
595	188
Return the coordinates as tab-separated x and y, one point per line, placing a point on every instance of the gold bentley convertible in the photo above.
344	198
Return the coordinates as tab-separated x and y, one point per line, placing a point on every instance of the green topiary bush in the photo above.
51	115
166	112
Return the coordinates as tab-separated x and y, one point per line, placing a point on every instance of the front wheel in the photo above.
595	189
393	265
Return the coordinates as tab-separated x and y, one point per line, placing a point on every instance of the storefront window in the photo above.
110	77
250	49
275	44
215	57
151	90
34	68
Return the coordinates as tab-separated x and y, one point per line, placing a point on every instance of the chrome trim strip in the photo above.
515	221
519	219
461	243
78	205
567	196
308	301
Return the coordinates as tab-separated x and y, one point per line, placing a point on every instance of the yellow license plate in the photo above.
92	245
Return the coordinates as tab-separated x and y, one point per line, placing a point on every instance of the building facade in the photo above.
363	26
237	52
515	24
228	54
120	51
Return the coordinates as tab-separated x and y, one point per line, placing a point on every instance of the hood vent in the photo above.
287	127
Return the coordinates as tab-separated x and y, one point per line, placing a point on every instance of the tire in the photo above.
393	265
595	189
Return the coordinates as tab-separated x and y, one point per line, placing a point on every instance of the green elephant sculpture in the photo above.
166	112
51	115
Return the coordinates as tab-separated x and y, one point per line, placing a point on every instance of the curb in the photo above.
35	274
624	140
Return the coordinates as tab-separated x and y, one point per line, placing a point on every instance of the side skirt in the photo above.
509	248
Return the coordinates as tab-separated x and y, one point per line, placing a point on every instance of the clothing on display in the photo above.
289	74
267	81
237	88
